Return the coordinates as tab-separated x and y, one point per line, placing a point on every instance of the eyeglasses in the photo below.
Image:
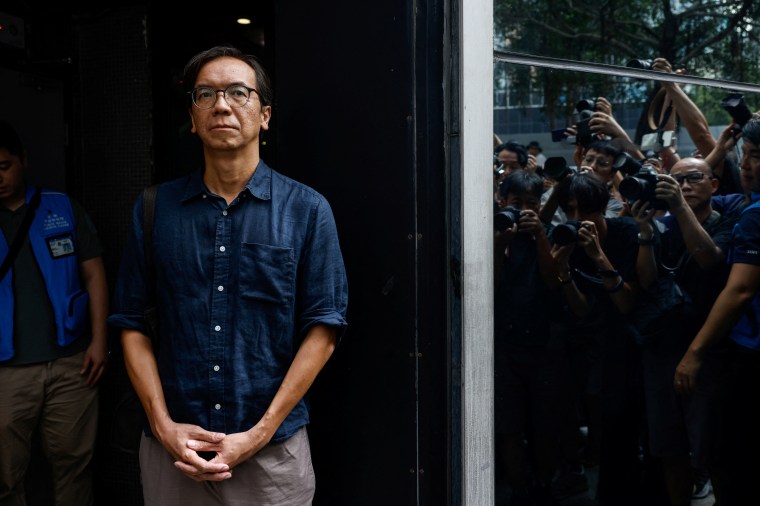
691	178
236	95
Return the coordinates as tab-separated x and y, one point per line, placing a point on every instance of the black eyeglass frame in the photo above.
224	93
690	178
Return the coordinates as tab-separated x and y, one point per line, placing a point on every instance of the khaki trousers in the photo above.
53	398
279	475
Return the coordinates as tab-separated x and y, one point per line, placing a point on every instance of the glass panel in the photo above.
588	339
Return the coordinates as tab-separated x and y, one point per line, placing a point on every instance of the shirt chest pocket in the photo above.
267	273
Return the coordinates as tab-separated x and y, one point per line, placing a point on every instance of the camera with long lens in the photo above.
735	106
505	219
584	108
640	64
640	183
566	233
556	168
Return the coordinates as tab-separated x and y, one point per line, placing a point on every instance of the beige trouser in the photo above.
279	475
53	398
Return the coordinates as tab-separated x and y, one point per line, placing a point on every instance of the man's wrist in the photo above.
645	239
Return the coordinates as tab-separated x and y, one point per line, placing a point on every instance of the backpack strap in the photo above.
149	213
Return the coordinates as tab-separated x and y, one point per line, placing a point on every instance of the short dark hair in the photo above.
522	181
518	149
10	140
605	147
193	67
591	194
751	132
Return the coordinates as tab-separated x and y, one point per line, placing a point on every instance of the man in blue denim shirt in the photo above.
251	295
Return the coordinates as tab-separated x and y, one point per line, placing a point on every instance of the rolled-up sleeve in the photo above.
129	299
322	292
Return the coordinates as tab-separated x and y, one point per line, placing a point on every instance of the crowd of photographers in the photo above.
626	309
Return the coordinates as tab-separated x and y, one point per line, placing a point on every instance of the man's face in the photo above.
697	185
750	167
524	201
11	175
509	160
222	127
600	164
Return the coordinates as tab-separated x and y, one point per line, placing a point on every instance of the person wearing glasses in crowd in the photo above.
733	319
251	295
690	248
53	349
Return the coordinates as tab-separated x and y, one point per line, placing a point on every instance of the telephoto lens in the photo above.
566	233
505	219
639	64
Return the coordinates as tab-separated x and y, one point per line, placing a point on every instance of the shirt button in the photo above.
216	368
222	248
218	406
204	195
220	288
224	213
218	328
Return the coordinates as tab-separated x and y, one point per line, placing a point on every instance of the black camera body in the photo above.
505	218
641	186
556	168
566	233
585	104
734	105
584	108
640	64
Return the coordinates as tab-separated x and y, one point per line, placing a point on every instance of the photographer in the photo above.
597	272
598	158
690	253
724	168
735	314
528	337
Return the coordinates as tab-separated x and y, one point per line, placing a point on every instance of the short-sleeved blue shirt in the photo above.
237	289
745	249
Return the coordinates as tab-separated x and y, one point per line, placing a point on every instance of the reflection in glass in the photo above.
588	345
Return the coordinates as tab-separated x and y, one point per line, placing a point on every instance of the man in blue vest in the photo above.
735	314
53	308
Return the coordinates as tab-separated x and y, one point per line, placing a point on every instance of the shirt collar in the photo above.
259	184
755	196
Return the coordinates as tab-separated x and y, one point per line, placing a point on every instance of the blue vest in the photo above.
746	332
52	236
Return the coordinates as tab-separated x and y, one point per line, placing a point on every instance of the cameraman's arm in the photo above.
726	142
698	242
531	224
646	263
552	201
576	300
606	124
621	292
743	284
691	117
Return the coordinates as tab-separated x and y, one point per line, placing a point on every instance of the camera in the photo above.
626	164
556	168
640	64
585	104
735	106
498	167
641	186
566	233
506	218
584	108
